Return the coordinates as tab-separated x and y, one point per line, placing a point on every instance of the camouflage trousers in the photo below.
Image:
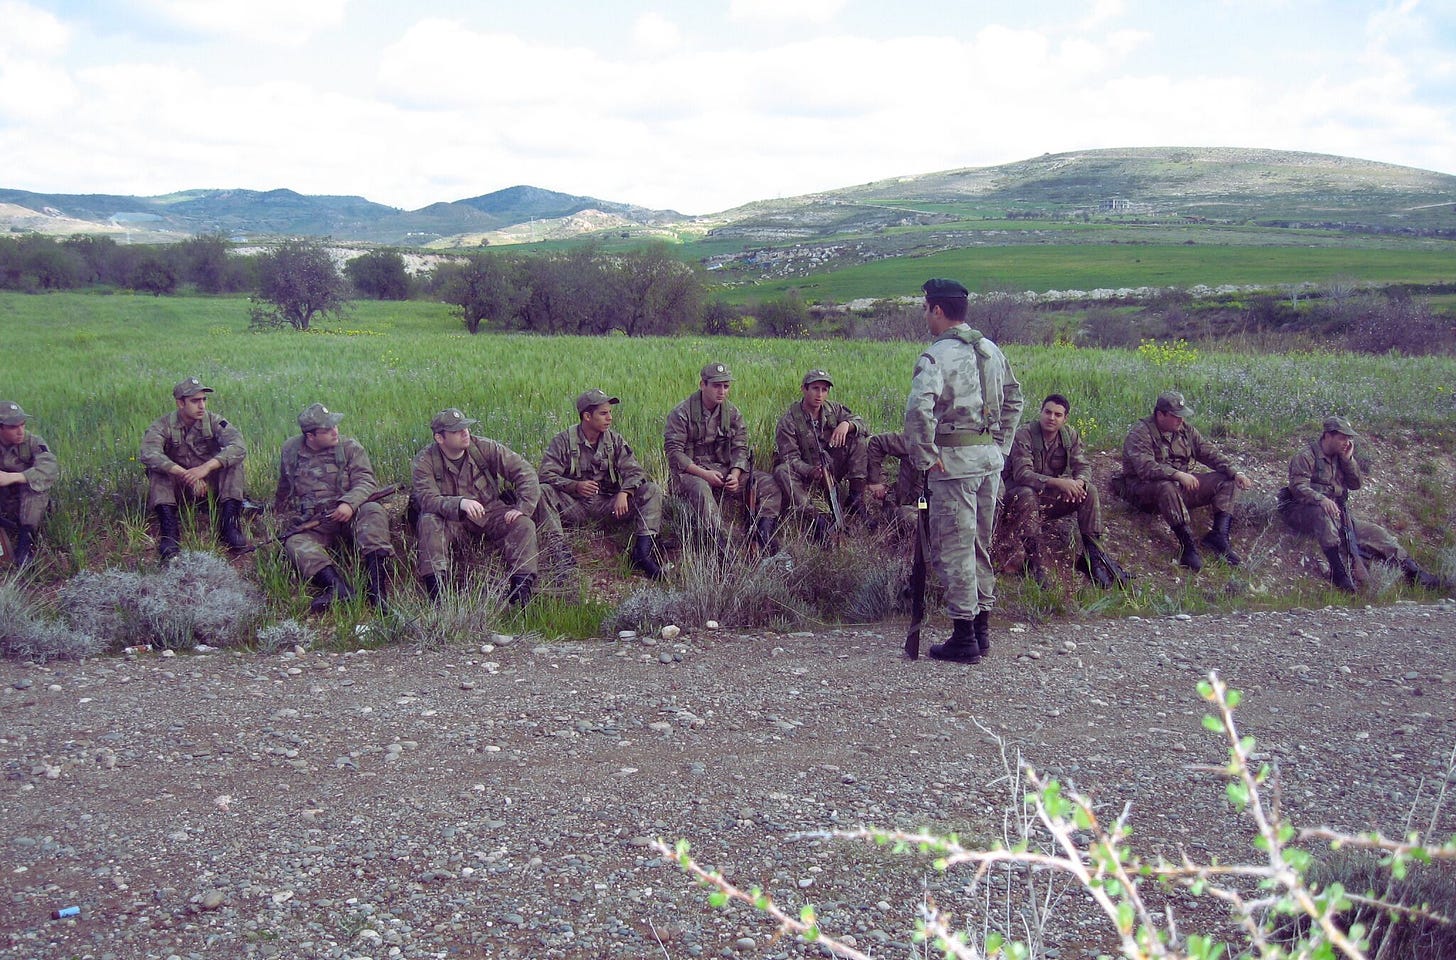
1027	510
1169	500
23	505
516	540
224	483
702	500
849	462
644	508
962	523
1376	542
368	528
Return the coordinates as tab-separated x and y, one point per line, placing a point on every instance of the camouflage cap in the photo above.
190	387
717	373
1335	424
316	416
592	399
11	415
815	376
1173	402
450	420
945	289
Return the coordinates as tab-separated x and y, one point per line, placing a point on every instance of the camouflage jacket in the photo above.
714	440
797	442
964	405
1149	454
1034	461
611	463
169	440
33	458
1315	476
488	471
311	482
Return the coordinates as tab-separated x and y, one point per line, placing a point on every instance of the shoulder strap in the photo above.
990	412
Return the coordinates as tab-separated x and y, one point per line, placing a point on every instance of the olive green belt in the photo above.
964	439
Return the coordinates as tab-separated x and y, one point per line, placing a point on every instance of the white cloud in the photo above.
784	11
30	32
290	23
654	33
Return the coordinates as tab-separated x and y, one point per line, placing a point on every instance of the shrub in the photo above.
26	635
284	635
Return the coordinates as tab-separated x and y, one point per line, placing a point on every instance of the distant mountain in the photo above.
1224	185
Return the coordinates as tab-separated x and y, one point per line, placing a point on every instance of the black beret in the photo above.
945	289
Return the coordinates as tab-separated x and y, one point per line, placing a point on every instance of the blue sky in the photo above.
694	106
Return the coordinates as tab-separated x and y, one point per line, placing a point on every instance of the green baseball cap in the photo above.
1173	402
717	373
316	416
593	399
11	415
1335	424
815	376
190	387
450	420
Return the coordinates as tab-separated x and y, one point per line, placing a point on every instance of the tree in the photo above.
299	280
787	317
152	275
485	288
651	292
204	261
379	275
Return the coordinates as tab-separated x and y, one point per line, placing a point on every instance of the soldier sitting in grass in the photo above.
898	504
819	442
589	473
1321	477
325	480
28	470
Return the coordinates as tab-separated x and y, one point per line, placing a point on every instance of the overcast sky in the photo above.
693	105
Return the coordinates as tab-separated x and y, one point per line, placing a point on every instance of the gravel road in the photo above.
498	801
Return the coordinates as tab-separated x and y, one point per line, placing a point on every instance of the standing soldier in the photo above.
898	505
28	470
1321	477
708	457
818	443
327	480
1156	457
188	454
459	488
963	409
589	472
1051	477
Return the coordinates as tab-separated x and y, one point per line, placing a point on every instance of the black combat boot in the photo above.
431	582
332	586
854	504
1217	539
1339	574
169	532
1093	563
763	535
1190	558
1421	578
24	546
522	585
1031	567
227	525
376	579
961	647
981	626
643	548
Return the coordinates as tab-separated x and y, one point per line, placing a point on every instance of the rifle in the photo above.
917	577
827	466
7	527
1350	544
313	523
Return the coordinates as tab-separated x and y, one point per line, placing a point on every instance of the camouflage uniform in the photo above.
800	443
900	501
25	503
311	483
1034	461
963	409
486	472
171	441
1151	457
1315	476
614	467
714	440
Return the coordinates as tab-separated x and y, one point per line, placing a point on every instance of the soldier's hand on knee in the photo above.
474	509
1186	480
513	515
586	489
343	513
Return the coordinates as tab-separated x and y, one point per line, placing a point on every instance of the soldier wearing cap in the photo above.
464	486
28	470
1157	457
328	478
962	412
1049	476
1321	477
188	454
589	473
818	442
708	457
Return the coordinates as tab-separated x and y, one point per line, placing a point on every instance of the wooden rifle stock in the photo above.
917	578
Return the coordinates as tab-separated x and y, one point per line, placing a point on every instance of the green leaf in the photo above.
1212	724
1233	698
717	899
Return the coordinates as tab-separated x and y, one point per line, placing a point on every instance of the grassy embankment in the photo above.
95	370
